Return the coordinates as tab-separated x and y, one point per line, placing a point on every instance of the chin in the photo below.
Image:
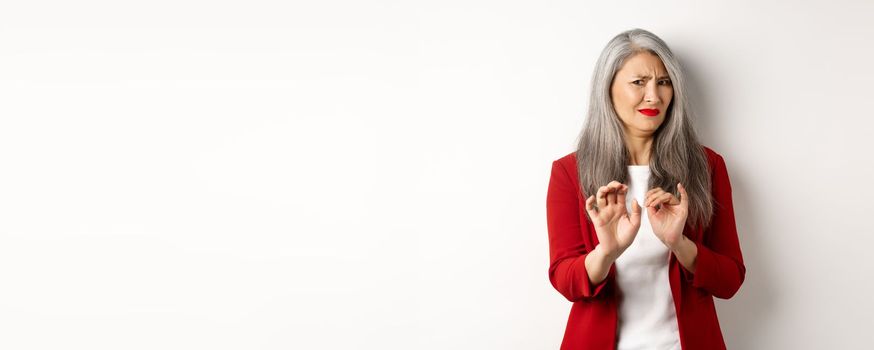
650	127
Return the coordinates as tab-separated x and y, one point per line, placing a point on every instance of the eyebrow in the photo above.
647	76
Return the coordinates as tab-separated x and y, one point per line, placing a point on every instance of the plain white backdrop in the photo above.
372	175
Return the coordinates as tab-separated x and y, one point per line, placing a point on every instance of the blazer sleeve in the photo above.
719	268
567	249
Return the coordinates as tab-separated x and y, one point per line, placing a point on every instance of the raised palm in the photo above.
614	226
667	214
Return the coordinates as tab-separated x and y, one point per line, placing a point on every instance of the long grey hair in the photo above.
676	155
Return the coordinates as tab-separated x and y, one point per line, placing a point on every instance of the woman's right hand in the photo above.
614	226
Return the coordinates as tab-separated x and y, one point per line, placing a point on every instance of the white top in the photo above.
647	318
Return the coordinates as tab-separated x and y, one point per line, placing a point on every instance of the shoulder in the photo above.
714	159
568	161
711	154
566	166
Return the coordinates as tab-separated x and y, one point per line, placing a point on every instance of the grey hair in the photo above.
676	155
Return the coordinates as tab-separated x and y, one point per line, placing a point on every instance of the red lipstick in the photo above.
649	112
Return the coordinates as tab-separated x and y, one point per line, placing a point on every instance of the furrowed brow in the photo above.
647	76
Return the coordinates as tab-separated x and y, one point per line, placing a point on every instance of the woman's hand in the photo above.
667	214
615	228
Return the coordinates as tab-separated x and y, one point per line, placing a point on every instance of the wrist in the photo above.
687	254
678	245
607	257
682	243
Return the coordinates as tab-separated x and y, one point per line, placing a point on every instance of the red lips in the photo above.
649	112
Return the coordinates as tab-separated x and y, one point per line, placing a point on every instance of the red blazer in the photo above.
593	317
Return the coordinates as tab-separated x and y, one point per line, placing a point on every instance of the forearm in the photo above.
686	253
598	265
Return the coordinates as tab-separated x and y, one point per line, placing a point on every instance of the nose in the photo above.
652	94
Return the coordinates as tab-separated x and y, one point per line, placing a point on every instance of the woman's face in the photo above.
641	86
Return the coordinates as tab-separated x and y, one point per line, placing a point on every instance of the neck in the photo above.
639	149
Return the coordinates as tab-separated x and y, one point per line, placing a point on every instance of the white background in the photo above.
372	175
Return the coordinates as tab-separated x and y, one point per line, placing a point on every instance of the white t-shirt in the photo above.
647	318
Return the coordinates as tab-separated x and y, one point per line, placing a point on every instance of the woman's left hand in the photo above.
669	219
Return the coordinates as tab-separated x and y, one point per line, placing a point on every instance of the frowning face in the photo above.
641	93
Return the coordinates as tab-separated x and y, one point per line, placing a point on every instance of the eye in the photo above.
636	82
666	82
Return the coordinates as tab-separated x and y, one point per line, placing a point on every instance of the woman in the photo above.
641	281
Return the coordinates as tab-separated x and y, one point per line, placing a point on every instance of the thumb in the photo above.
590	206
684	197
635	212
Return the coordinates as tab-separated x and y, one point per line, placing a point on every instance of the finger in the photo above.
620	199
684	198
668	198
601	199
614	187
652	195
664	198
621	189
611	196
674	200
655	201
590	205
